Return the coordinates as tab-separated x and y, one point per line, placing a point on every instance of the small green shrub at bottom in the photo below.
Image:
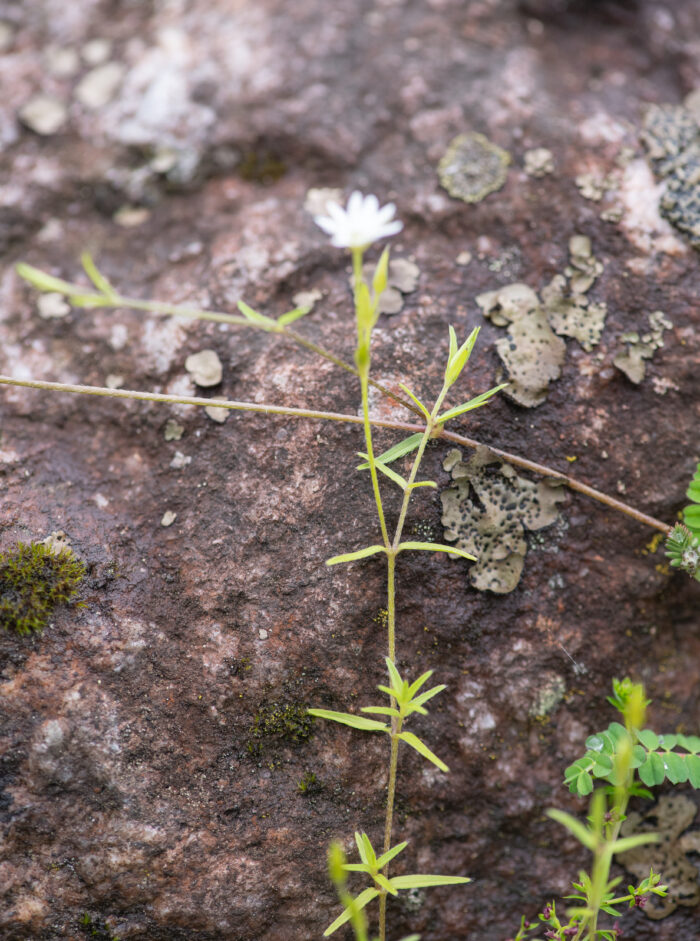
33	581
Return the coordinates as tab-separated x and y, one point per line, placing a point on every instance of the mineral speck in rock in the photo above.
114	381
43	114
204	368
52	306
62	61
538	162
463	259
129	217
307	298
168	518
473	167
98	87
671	135
96	51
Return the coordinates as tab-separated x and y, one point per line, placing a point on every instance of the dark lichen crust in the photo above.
34	579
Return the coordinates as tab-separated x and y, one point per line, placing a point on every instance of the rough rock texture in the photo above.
153	740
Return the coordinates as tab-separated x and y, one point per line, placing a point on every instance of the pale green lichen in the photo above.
673	814
532	351
640	348
671	135
548	696
486	511
472	167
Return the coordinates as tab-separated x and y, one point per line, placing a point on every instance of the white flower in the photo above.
362	223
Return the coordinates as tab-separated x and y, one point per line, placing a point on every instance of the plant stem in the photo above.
463	440
391	793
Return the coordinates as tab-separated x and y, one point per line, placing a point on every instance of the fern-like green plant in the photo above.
683	541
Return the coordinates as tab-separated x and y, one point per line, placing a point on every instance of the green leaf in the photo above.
415	399
421	747
362	849
391	854
347	718
254	317
652	772
369	850
425	882
416	685
459	358
423	483
89	300
354	556
381	711
435	547
396	681
649	739
363	309
398	450
476	402
693	764
385	883
676	767
668	741
97	278
631	842
42	281
583	785
357	867
691	743
383	469
359	903
574	826
424	697
379	280
292	315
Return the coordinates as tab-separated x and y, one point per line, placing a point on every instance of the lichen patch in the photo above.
632	360
487	509
671	135
472	167
532	351
673	814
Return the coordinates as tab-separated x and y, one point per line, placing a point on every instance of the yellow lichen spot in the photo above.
571	458
472	167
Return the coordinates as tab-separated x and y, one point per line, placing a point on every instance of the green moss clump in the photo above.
289	722
33	580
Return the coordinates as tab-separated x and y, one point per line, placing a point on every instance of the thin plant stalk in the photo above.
451	436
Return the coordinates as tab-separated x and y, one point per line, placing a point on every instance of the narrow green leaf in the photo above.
42	281
254	317
381	710
476	402
424	697
357	867
574	826
292	315
435	547
423	483
379	281
398	450
369	850
425	881
415	399
387	471
423	749
347	718
460	358
96	276
631	842
90	300
390	854
453	344
394	674
385	883
421	681
354	556
361	848
359	903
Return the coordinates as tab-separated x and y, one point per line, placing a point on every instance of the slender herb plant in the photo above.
355	228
